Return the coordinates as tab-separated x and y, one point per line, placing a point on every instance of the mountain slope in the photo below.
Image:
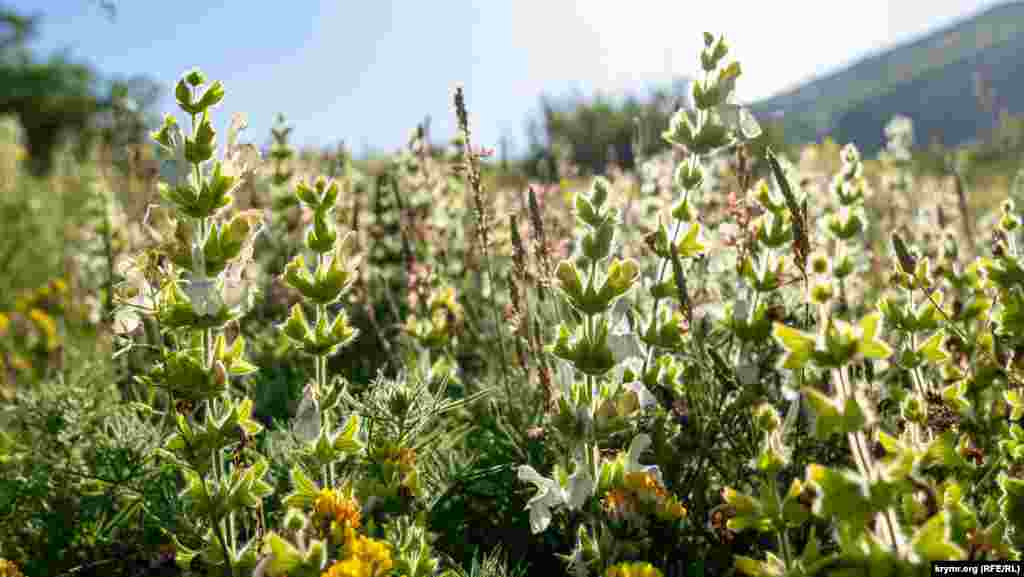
932	80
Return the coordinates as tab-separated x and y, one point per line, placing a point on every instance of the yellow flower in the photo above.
633	569
59	286
370	550
332	507
671	509
366	557
346	568
639	481
445	300
9	569
645	485
5	322
20	363
619	503
48	327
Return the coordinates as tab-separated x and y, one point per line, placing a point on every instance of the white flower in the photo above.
582	483
180	174
307	417
565	376
127	318
640	444
239	159
549	495
623	343
740	118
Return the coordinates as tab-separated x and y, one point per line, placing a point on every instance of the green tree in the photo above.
57	99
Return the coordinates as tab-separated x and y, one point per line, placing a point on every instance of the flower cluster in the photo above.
633	569
36	324
335	513
365	557
445	319
641	494
9	569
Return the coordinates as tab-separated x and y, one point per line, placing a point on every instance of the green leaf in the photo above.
285	556
932	348
870	346
798	345
692	244
854	418
827	418
346	441
869	325
931	541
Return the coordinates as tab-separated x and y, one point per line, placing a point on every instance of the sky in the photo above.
367	71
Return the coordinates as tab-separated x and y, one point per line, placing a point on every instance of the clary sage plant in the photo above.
187	292
939	347
921	383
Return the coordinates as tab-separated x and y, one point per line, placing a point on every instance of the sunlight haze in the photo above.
367	72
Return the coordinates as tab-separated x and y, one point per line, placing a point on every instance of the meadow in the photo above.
731	361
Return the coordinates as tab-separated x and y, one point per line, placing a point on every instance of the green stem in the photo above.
773	487
657	300
327	471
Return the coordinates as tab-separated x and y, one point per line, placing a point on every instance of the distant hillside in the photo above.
934	81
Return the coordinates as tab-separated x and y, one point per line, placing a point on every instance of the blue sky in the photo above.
367	71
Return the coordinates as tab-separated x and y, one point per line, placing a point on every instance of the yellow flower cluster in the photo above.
9	569
445	300
333	510
642	492
446	316
48	296
365	557
644	484
633	569
47	326
619	503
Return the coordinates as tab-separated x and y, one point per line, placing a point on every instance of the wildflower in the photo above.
332	512
19	362
638	446
47	326
366	557
644	485
445	299
619	504
633	569
551	494
5	322
9	569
